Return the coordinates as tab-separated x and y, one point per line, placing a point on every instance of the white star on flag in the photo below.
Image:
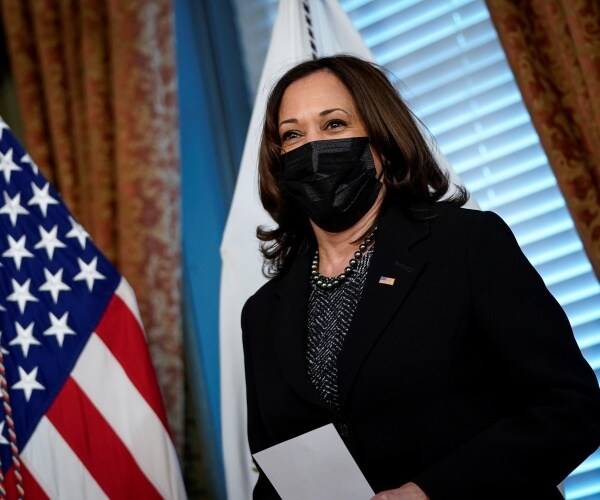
12	207
28	382
88	272
17	250
7	165
21	294
78	232
49	241
27	159
59	328
24	338
54	284
3	440
42	198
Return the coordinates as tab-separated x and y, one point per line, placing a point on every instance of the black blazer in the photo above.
463	376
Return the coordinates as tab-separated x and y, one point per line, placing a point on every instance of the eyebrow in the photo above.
325	112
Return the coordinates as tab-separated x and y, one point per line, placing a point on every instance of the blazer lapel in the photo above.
289	329
380	301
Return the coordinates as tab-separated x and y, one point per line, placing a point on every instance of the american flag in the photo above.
81	415
386	280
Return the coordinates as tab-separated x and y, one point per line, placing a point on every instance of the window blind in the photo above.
445	58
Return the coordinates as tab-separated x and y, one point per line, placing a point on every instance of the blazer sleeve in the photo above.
257	433
557	421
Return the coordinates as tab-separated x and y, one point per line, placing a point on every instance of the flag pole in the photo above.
309	28
12	436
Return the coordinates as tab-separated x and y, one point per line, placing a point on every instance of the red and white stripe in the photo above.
105	435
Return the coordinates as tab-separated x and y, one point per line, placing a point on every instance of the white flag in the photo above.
241	273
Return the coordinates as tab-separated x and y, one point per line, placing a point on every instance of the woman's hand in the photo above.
409	491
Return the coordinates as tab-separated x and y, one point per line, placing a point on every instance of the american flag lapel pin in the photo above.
385	280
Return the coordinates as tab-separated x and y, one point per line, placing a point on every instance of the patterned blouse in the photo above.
330	313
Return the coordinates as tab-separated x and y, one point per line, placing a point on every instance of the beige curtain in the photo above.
553	47
96	84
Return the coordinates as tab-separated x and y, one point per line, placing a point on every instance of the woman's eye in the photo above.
335	123
289	135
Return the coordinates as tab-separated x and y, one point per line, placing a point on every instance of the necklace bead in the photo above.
329	283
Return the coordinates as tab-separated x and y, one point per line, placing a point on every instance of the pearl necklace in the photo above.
331	282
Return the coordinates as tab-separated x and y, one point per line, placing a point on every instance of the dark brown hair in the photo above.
411	174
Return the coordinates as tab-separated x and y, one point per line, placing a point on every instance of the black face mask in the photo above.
334	181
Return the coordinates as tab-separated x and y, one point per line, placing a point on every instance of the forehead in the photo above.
318	90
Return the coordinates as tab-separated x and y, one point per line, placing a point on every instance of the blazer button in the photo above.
344	430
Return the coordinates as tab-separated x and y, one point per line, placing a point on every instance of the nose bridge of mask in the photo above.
338	152
313	160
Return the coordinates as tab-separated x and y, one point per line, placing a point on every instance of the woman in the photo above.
415	326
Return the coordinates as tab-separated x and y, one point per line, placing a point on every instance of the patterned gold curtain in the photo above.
553	47
96	84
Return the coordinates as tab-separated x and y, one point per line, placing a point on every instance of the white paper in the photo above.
315	465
